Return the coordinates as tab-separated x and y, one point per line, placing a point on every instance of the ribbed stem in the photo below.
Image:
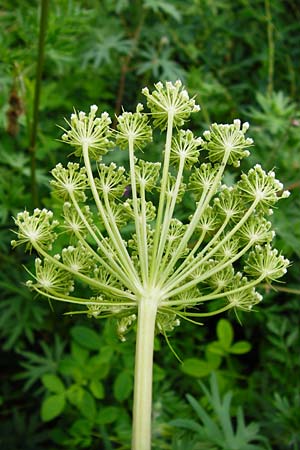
142	403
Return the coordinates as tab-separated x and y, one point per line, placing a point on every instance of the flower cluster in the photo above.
262	187
69	181
125	242
35	229
185	148
227	141
50	278
89	130
133	127
170	100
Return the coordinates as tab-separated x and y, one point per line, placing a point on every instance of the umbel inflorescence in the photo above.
126	243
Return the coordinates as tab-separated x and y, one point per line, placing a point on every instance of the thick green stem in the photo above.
142	403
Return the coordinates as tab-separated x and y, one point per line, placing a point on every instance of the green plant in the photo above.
270	384
276	120
76	390
36	365
217	428
20	316
21	431
287	419
131	252
215	352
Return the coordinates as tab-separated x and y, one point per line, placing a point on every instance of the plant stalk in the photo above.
142	402
271	47
36	101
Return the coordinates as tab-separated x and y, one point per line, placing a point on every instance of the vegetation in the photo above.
236	385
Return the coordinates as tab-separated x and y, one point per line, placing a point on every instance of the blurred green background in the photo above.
67	383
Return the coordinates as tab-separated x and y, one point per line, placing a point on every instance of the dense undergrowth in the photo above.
66	381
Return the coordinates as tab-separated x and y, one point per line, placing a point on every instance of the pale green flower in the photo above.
36	229
147	174
126	242
77	258
170	99
266	262
133	127
227	139
89	130
261	187
50	278
130	252
111	180
185	148
202	179
69	181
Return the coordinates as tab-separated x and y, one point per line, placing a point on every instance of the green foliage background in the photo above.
67	383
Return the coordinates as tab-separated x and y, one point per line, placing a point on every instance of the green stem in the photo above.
36	101
112	266
137	215
283	289
187	260
122	268
212	296
204	201
169	210
162	196
90	281
205	314
180	275
217	268
142	403
168	248
110	225
81	301
144	228
271	47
